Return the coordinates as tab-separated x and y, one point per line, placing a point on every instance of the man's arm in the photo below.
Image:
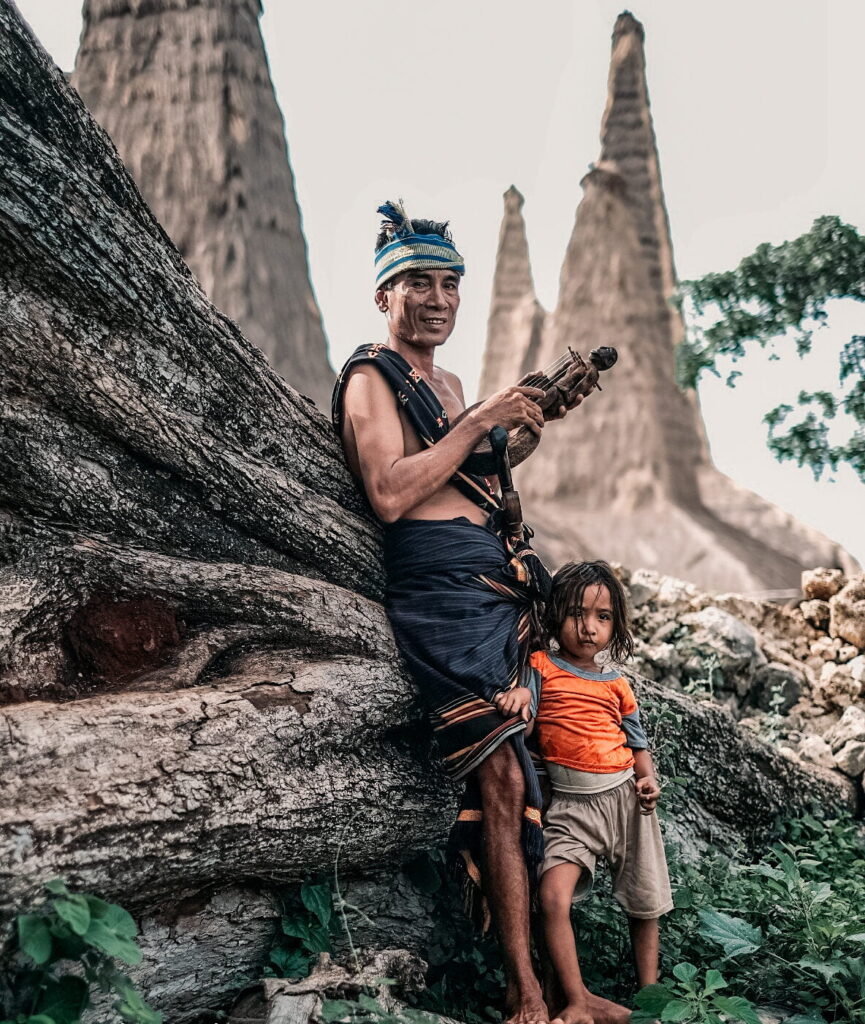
395	482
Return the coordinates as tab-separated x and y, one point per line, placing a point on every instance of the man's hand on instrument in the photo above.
554	411
516	701
515	406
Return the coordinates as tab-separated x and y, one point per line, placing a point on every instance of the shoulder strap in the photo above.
420	404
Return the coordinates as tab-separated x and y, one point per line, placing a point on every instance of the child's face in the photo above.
589	629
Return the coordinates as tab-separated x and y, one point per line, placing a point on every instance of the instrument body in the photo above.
511	507
568	378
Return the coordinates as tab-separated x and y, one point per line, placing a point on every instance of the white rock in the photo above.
822	583
816	612
847	613
816	750
851	726
643	587
851	758
826	647
847	652
857	669
673	591
836	686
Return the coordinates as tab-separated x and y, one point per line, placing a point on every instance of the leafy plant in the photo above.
307	927
86	935
692	1000
781	291
787	928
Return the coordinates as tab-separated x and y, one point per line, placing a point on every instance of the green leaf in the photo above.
98	907
63	1000
318	940
75	911
40	1018
714	981
732	933
685	972
806	1018
653	998
318	900
131	1005
369	1004
683	898
677	1009
120	921
57	887
737	1008
295	926
34	938
827	968
102	937
858	937
336	1009
293	963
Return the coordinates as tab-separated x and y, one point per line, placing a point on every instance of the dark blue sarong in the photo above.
459	601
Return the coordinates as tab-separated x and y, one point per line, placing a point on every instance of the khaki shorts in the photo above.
579	828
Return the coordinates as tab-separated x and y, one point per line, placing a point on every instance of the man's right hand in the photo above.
515	406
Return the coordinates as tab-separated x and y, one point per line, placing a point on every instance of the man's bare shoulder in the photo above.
453	382
365	384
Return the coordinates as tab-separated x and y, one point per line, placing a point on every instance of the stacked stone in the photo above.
793	674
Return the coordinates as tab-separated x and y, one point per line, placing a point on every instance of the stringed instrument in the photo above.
566	379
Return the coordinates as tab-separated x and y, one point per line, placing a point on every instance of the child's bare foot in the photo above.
605	1011
574	1013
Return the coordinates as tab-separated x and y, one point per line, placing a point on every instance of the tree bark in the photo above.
197	672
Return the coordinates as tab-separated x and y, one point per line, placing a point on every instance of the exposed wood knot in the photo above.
272	695
116	640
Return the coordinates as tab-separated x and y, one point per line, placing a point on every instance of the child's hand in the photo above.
648	792
514	702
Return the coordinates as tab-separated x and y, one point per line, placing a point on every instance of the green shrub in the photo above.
68	946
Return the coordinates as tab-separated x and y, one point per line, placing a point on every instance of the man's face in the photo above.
421	307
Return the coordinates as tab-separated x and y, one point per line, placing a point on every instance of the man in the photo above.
458	596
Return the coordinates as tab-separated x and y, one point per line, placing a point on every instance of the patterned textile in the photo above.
423	408
410	251
460	599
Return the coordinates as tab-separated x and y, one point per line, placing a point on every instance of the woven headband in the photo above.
409	251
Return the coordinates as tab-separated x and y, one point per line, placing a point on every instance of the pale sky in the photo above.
757	112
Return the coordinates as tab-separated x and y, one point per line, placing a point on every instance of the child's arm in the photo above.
515	701
648	790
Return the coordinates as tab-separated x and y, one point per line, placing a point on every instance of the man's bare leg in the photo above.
557	893
506	884
646	945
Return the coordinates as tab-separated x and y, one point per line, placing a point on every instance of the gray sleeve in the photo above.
532	679
635	735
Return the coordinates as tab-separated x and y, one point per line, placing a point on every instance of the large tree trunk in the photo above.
201	685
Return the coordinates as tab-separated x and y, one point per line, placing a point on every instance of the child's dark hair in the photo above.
569	585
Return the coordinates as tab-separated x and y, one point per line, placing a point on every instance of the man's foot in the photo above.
574	1014
526	1007
605	1011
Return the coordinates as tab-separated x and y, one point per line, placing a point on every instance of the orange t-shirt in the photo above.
579	717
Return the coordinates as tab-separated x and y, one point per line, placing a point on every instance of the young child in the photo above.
601	773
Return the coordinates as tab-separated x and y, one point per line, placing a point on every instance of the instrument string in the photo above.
552	373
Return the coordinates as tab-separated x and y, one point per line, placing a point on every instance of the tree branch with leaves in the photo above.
781	292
